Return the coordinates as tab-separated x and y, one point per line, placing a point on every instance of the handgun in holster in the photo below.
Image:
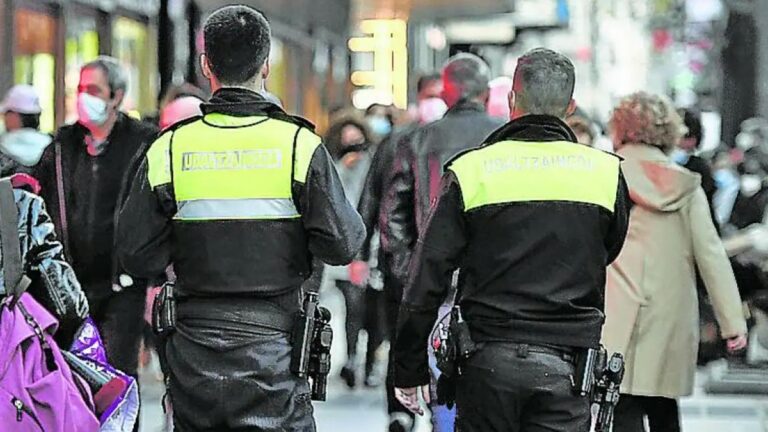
164	311
312	337
452	346
599	378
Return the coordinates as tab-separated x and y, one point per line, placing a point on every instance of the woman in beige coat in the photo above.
651	304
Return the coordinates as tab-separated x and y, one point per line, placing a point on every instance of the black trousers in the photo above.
365	311
663	414
503	389
120	319
235	381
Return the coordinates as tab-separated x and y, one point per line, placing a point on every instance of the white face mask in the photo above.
91	110
750	184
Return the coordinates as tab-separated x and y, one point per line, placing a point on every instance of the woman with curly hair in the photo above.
651	302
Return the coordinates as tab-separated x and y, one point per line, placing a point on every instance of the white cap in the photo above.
22	99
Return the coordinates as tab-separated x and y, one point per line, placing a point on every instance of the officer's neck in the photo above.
256	86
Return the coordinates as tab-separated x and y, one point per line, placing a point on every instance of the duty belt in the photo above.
252	312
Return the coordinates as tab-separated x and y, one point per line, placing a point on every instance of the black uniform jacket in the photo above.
415	179
530	272
241	258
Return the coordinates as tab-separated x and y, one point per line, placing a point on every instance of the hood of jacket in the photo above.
654	181
25	146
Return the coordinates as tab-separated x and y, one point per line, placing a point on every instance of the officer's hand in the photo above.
736	344
409	397
358	273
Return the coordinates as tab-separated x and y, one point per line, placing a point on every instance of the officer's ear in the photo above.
265	71
571	108
205	67
512	101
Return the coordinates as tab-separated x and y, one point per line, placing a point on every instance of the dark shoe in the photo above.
348	375
400	422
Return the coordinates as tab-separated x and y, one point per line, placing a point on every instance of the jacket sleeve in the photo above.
617	232
59	290
334	228
145	226
715	269
437	256
370	200
399	233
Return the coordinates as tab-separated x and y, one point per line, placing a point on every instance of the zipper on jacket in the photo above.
22	409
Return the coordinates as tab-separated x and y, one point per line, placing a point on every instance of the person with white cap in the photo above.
22	146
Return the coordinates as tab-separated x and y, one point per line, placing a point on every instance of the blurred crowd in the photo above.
84	164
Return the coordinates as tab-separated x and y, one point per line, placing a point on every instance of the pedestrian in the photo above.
530	219
84	177
414	181
22	144
582	127
238	201
651	301
179	110
348	140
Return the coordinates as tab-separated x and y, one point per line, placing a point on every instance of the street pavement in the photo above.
364	410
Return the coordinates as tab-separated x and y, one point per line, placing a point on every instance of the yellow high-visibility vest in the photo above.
224	167
522	171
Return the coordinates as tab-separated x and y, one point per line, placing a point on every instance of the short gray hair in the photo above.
113	70
469	73
544	82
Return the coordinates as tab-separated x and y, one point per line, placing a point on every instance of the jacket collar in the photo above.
533	128
240	102
464	107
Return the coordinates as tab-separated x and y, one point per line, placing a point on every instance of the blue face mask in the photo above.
725	179
380	125
679	156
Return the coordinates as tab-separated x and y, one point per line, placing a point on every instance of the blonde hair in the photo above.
645	118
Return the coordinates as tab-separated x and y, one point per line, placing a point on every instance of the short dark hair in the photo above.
237	43
545	81
468	72
692	122
113	70
426	79
31	121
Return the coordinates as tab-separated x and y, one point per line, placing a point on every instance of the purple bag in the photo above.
38	391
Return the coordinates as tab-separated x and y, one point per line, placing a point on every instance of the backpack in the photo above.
38	391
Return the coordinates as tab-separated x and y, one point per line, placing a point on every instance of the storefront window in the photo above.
81	46
34	59
135	47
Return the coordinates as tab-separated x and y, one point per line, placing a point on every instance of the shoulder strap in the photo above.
13	270
62	197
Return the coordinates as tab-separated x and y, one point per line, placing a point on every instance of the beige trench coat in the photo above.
651	305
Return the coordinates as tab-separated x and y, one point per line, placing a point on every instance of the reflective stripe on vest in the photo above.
516	171
233	167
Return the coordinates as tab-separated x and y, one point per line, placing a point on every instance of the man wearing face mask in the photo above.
22	146
84	177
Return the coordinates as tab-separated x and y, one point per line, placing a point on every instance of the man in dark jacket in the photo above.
239	201
531	220
84	176
415	177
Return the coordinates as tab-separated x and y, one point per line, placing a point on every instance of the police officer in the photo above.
238	200
531	220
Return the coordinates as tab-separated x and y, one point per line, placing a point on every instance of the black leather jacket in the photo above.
416	174
54	284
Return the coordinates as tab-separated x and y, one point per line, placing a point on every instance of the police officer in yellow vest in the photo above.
531	220
239	201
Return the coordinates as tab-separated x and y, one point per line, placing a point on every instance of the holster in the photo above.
164	311
453	346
